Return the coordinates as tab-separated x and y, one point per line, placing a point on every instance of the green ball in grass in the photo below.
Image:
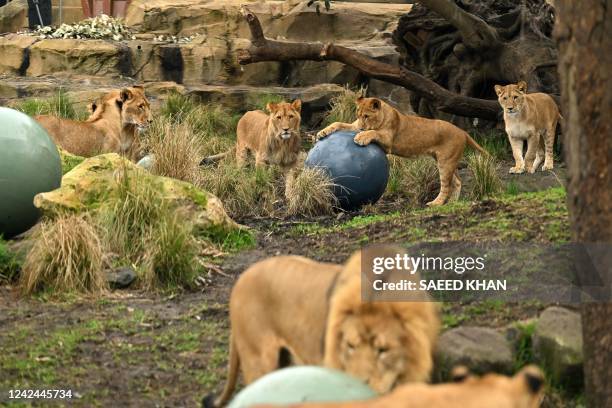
301	384
29	164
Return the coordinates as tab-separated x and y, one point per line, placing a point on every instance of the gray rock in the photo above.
557	346
480	349
121	278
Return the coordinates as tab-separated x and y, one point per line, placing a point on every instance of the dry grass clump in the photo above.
415	179
177	150
244	191
310	193
485	170
343	107
67	256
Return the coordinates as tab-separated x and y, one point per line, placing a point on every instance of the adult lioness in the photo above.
112	127
523	390
531	117
407	135
306	312
273	138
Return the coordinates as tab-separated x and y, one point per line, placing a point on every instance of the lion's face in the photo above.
511	97
369	113
285	119
136	109
373	349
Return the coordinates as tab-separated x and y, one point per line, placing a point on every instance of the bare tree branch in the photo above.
263	49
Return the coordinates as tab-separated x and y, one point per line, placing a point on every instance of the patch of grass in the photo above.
235	241
60	105
416	180
177	106
66	257
310	193
512	188
244	191
343	107
524	348
9	263
177	150
495	142
359	221
486	182
259	101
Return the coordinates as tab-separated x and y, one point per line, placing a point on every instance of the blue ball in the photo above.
359	172
29	164
298	384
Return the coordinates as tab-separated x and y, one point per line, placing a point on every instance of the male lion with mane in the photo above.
117	119
407	136
289	310
532	117
523	390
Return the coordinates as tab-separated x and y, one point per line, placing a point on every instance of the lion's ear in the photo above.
460	373
522	86
533	377
498	89
297	105
375	104
271	107
125	94
92	107
360	99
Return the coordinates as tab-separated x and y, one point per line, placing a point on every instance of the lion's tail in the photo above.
475	145
214	158
233	369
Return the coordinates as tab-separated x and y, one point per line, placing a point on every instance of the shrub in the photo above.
416	179
66	257
310	193
343	107
486	181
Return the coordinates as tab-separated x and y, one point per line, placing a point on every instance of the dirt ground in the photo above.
140	349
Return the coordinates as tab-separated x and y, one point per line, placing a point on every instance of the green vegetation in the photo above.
343	107
260	101
415	180
9	263
495	142
486	182
310	193
60	105
524	348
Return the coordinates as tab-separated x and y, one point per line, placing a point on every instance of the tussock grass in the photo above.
67	256
177	150
416	179
142	230
495	142
244	191
486	182
310	193
60	105
177	106
343	107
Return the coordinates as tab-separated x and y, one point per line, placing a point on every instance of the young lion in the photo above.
524	390
407	136
305	312
273	138
532	117
112	127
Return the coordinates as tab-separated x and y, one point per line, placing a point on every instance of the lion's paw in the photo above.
325	132
435	203
516	170
547	167
361	139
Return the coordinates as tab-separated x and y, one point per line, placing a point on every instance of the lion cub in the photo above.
524	390
407	136
531	117
273	137
289	310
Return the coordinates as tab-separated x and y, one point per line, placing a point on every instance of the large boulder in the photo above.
91	183
13	50
557	346
481	349
88	57
14	16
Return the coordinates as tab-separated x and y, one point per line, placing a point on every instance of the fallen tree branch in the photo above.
263	49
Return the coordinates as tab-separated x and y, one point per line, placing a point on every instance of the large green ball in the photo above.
300	384
29	164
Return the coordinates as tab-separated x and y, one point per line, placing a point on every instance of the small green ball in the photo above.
301	384
29	164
